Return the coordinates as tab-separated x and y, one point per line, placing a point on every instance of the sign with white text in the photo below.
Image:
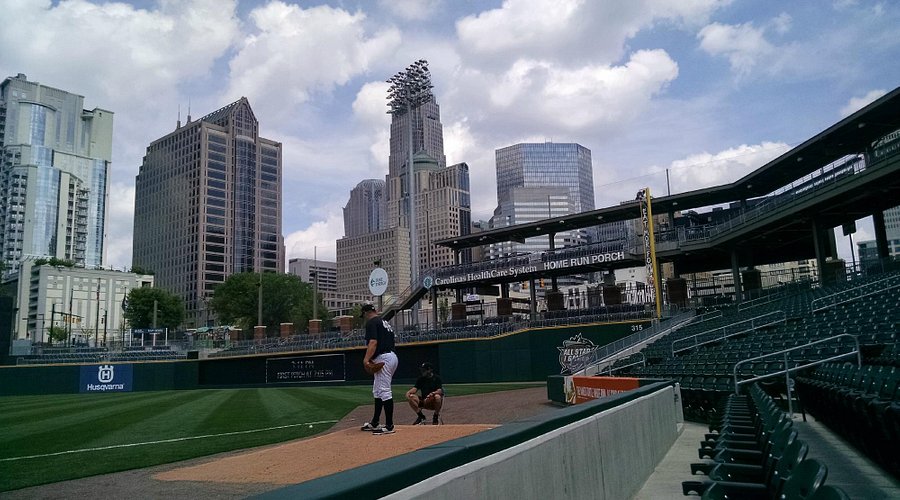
323	368
106	378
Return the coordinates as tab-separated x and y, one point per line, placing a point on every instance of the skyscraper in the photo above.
537	181
208	205
365	211
442	207
54	174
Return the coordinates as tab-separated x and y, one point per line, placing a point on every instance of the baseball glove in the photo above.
373	368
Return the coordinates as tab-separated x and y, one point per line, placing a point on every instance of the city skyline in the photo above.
705	91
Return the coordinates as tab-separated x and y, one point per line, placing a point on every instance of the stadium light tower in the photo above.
410	89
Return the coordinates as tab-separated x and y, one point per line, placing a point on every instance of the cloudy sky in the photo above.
706	89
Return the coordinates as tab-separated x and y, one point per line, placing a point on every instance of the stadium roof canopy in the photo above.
852	135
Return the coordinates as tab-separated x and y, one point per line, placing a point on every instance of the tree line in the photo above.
285	299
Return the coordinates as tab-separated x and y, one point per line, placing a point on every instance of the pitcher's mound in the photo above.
301	461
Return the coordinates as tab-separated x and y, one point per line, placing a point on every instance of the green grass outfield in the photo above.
45	439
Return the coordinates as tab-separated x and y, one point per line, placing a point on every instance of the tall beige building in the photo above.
357	255
443	210
208	205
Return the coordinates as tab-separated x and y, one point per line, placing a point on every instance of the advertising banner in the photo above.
322	368
106	378
520	272
649	246
588	388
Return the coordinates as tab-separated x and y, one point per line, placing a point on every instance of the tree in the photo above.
57	333
141	270
139	312
357	321
286	299
444	309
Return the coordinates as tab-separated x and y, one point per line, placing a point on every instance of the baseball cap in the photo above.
426	366
366	308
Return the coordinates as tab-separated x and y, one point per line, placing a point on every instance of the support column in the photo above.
504	290
736	276
533	295
820	251
434	307
553	285
881	241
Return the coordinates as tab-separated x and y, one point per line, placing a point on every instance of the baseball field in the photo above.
46	439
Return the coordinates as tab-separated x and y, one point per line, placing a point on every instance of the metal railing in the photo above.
611	368
845	296
788	370
727	331
616	347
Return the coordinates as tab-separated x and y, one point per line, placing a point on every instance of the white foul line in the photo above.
173	440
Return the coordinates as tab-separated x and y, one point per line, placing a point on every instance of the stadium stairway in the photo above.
848	469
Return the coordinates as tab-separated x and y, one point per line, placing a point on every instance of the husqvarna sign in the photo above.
106	378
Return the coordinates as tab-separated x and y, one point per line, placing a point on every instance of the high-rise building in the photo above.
358	255
54	175
365	211
538	181
892	223
320	272
208	205
443	210
442	200
427	137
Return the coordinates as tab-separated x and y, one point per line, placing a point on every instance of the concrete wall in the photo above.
608	455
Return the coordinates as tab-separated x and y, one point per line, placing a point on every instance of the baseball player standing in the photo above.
380	348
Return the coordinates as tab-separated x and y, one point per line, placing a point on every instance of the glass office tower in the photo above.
207	205
55	158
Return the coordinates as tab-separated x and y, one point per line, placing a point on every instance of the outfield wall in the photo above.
514	357
603	449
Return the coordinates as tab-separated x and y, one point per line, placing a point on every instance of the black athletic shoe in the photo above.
419	420
368	427
382	431
435	420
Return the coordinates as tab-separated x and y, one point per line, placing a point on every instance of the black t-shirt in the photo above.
428	385
380	330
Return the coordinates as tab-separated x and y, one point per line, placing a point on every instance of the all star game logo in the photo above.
573	349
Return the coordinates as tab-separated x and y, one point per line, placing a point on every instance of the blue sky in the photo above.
706	89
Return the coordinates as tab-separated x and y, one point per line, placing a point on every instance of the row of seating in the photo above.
860	403
873	324
753	452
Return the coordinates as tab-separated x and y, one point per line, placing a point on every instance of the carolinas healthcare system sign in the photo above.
106	378
514	272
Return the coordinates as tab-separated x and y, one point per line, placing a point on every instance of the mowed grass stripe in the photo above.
173	422
27	407
68	430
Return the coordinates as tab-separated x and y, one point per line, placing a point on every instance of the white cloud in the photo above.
706	170
318	239
412	10
544	94
570	30
743	45
782	23
857	103
298	52
119	225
